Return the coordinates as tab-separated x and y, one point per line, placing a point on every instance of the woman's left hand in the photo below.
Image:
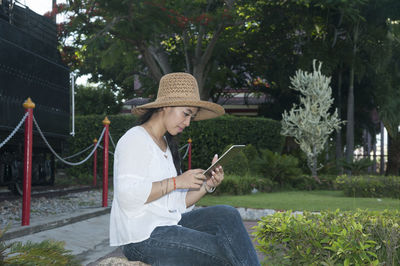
217	175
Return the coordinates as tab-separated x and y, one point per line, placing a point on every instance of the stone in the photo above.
118	261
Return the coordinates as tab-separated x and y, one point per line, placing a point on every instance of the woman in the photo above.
151	216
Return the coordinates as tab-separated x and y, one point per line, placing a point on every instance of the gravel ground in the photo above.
11	210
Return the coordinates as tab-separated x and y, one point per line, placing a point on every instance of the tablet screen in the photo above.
228	155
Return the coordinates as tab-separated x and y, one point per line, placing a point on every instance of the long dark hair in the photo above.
172	141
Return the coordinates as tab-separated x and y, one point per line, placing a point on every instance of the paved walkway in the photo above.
84	233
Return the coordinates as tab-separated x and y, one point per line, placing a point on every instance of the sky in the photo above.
39	6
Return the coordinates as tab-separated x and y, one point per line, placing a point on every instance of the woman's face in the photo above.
176	119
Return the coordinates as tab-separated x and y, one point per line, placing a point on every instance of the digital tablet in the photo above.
228	155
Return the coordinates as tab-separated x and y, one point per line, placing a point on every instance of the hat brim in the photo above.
207	110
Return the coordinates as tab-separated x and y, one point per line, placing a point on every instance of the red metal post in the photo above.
190	154
106	124
95	164
26	196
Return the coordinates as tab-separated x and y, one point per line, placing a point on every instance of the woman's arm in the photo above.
191	179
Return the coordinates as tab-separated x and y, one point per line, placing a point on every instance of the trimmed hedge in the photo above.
330	238
212	136
370	186
209	137
87	129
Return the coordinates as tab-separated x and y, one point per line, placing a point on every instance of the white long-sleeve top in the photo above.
138	162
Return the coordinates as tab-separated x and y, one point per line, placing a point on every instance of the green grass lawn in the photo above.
302	200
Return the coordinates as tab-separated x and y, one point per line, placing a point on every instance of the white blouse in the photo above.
138	162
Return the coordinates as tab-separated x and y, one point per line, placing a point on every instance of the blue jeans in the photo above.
207	236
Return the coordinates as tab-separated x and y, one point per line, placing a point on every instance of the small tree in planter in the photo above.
310	123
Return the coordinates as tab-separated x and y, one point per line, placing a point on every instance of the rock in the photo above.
118	261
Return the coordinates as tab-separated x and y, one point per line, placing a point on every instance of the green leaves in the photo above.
311	123
370	186
47	252
212	136
330	237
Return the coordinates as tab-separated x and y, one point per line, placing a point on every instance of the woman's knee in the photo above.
227	211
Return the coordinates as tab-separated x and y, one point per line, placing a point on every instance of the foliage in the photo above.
370	186
96	100
330	238
310	123
357	167
87	129
357	40
242	185
119	40
307	182
209	137
238	164
280	169
212	136
47	252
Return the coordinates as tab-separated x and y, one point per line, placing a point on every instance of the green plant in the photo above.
212	136
251	153
45	253
282	169
331	237
357	167
369	186
311	123
241	185
307	182
238	164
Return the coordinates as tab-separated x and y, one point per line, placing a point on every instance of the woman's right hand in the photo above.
191	179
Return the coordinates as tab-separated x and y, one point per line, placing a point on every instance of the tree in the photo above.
385	78
310	123
91	100
119	39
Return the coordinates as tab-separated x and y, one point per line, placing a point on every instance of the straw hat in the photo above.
181	89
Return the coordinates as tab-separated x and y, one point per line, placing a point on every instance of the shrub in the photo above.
357	167
307	182
209	137
281	169
330	238
241	185
238	164
370	186
45	253
251	153
212	136
87	129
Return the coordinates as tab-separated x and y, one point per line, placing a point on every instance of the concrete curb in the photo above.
51	223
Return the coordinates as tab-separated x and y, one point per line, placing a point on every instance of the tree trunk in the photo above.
382	166
339	147
393	165
374	158
350	119
312	164
369	149
350	102
198	73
